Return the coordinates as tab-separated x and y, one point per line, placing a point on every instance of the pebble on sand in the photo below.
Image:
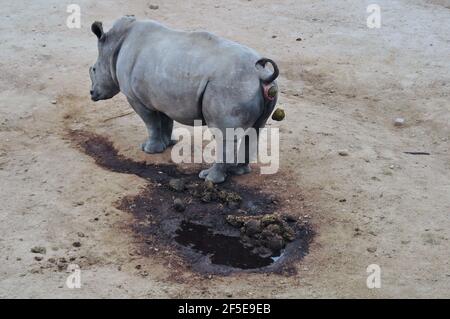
399	121
343	152
38	250
177	184
76	244
179	205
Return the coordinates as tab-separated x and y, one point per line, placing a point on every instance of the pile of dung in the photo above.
206	191
267	234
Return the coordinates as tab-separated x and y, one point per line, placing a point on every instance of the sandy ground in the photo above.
342	86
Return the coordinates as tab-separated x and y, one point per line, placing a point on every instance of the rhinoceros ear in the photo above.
97	29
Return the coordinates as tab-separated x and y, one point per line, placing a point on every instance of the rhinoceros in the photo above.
171	75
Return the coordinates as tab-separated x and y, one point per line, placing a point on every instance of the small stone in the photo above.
178	204
76	244
80	234
399	121
272	199
343	152
387	172
177	184
372	249
138	267
36	271
38	258
290	217
144	273
54	102
38	250
298	39
153	7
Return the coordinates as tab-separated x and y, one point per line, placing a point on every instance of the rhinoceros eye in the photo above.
93	69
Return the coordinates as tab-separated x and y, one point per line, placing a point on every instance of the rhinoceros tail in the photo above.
262	62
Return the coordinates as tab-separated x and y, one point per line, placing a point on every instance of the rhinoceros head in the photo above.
104	86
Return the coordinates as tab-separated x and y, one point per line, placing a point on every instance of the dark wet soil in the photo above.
221	249
215	229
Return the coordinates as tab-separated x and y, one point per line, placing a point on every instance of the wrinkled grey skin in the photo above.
170	75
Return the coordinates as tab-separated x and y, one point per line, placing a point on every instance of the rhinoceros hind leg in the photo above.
216	173
239	169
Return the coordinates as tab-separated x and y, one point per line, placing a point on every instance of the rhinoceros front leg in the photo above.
167	128
153	122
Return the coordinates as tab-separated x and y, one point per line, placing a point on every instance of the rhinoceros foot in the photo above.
216	173
152	147
239	169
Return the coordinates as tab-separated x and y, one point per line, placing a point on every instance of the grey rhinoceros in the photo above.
170	75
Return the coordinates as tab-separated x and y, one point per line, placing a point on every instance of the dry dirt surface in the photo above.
342	85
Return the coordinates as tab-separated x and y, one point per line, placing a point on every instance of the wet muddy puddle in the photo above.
213	228
221	249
